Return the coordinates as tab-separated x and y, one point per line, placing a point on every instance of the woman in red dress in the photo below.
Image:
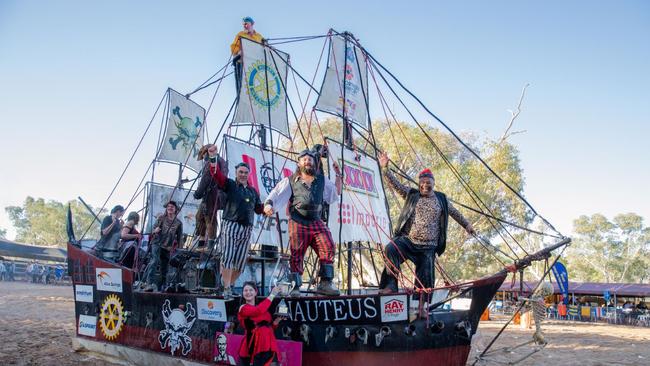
259	348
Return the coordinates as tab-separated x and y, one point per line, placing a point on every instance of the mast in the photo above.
347	141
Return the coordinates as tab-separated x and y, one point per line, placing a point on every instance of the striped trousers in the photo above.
235	243
315	235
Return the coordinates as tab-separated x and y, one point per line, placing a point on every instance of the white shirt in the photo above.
281	194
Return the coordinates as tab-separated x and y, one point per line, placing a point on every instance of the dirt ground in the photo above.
37	323
569	343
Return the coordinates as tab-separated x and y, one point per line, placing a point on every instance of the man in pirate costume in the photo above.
235	48
167	234
421	230
304	194
212	199
242	203
107	245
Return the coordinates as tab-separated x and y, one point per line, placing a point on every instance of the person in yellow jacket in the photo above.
235	48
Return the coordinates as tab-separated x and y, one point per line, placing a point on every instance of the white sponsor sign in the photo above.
211	309
109	279
461	303
87	325
261	178
263	99
345	64
394	308
83	293
364	215
184	134
160	194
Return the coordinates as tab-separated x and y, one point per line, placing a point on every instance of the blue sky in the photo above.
79	81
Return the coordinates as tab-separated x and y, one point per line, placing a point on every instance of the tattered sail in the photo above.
265	172
262	98
345	62
363	210
184	133
160	194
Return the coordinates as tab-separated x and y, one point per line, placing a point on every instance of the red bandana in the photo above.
426	173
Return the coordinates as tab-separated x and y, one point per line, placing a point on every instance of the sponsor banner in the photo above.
226	350
263	177
159	194
184	134
87	325
363	209
262	98
461	303
394	308
358	310
211	309
83	293
109	279
346	74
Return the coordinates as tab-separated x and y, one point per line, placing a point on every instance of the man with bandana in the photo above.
304	194
421	230
235	48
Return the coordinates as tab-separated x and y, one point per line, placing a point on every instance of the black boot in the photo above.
297	279
325	286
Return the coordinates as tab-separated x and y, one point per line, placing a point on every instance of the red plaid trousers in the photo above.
315	235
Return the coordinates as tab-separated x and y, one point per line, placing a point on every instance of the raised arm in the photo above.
217	174
395	184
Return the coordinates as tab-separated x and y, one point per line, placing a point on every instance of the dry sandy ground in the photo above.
570	343
37	322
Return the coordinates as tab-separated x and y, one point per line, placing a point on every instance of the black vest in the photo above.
409	210
306	203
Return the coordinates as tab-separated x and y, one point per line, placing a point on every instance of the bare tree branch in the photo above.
513	116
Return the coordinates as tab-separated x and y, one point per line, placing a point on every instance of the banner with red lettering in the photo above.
362	215
263	177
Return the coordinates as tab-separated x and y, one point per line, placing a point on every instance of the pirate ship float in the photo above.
194	323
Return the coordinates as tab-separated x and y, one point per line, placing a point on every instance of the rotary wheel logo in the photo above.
257	74
111	317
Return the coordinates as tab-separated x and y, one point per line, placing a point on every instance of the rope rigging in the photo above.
374	66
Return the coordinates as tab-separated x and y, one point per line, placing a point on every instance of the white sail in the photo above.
351	67
184	133
261	178
160	194
262	98
364	213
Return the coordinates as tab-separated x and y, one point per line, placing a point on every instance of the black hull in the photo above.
442	338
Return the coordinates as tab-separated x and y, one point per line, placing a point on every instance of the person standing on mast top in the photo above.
421	230
235	48
305	192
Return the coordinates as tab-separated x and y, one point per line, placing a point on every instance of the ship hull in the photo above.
345	330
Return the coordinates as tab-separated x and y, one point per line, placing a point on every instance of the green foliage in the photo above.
610	251
42	222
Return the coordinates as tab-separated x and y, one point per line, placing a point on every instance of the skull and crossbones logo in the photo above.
177	323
